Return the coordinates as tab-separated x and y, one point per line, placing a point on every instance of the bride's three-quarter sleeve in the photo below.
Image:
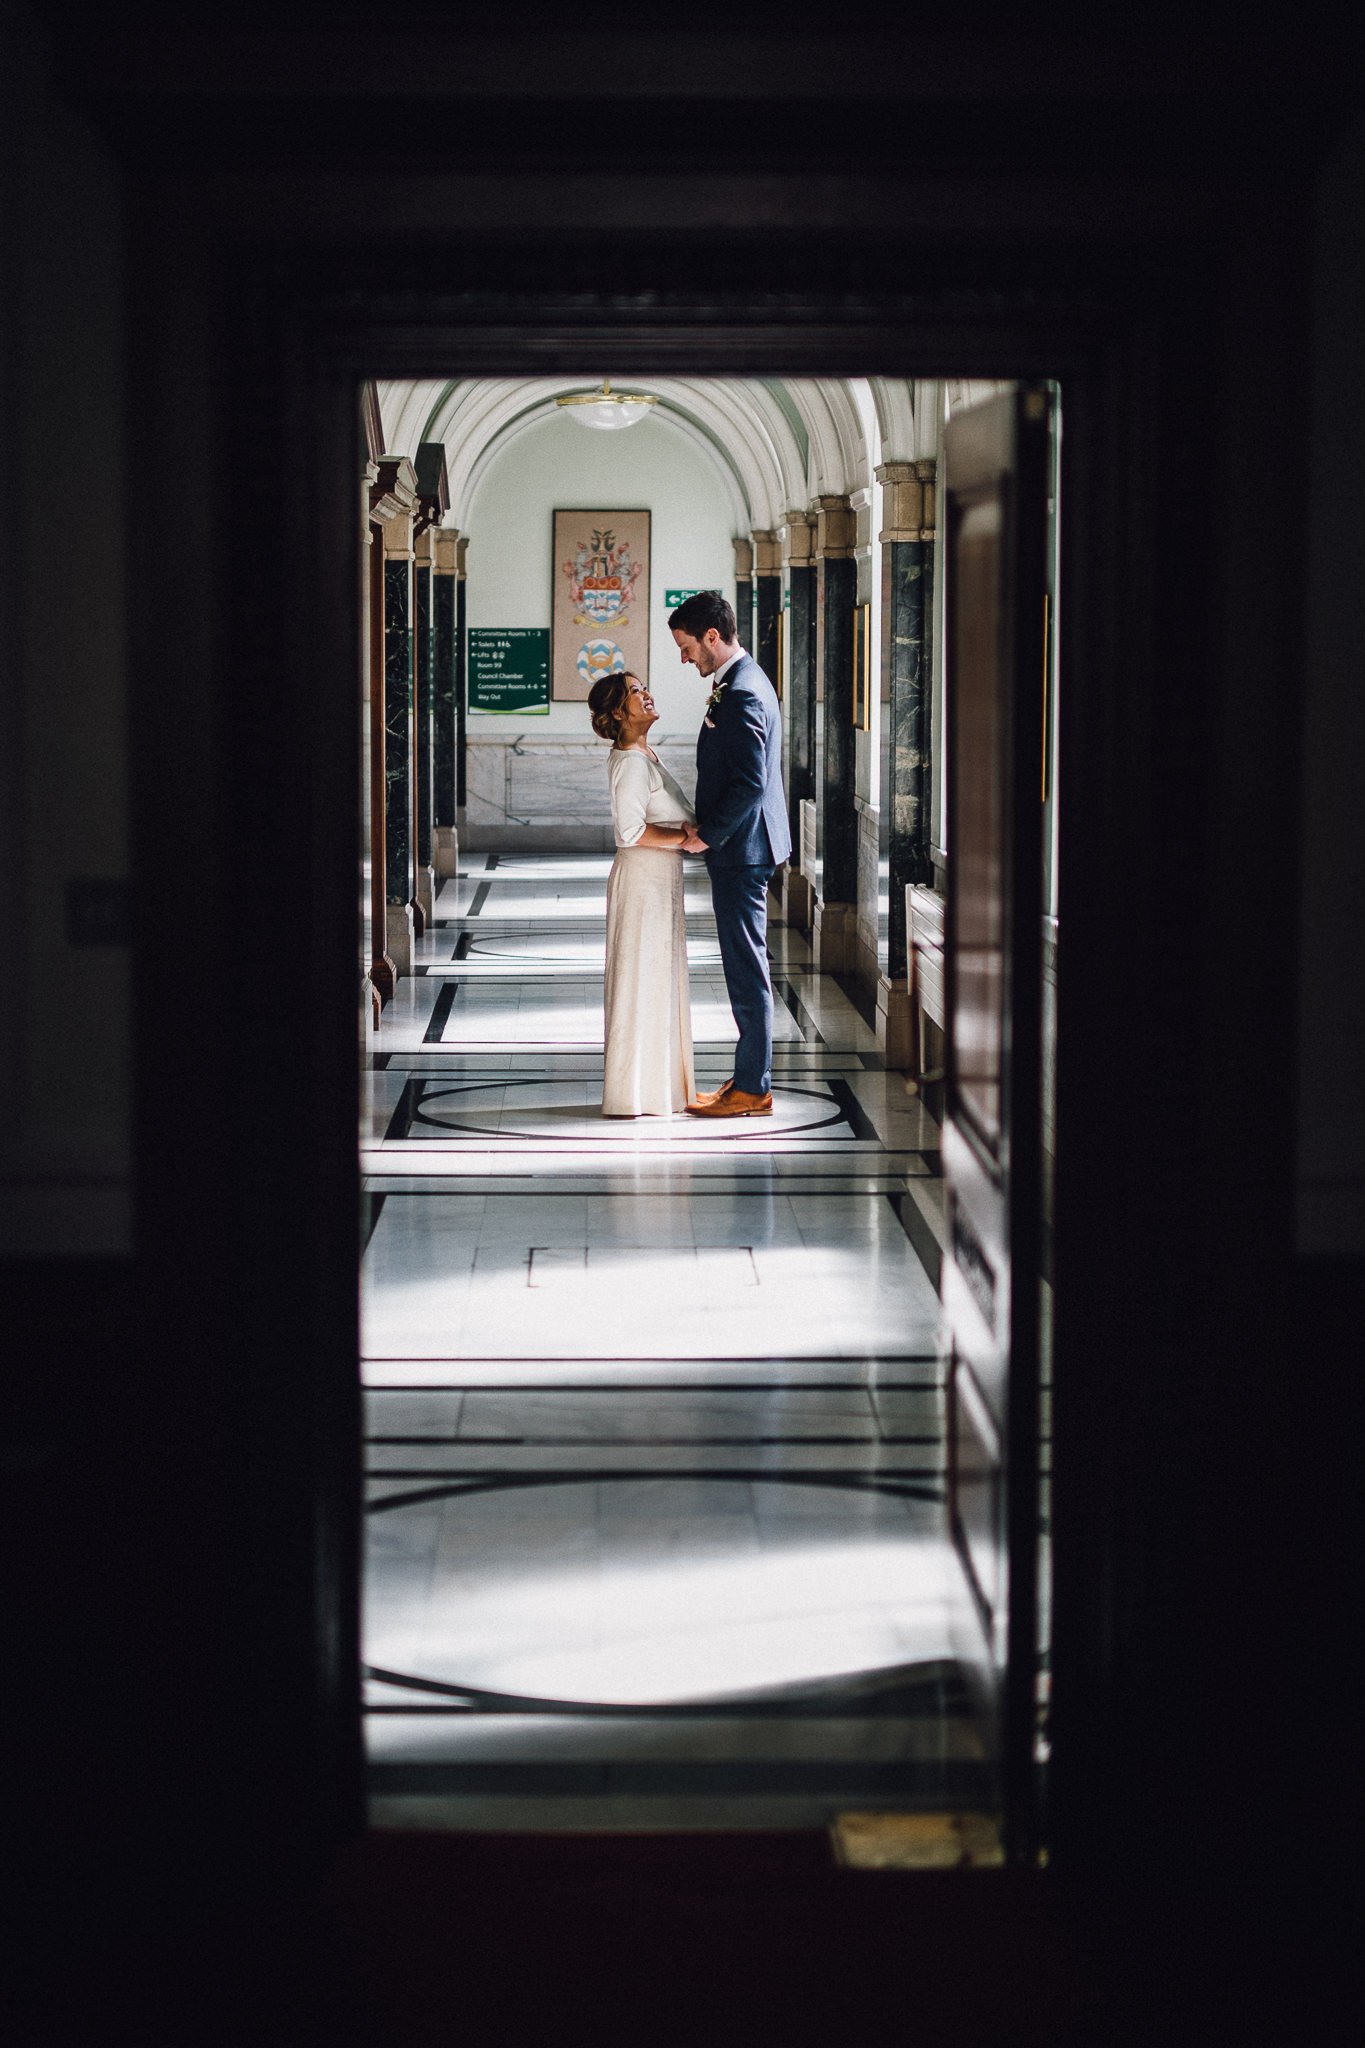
629	796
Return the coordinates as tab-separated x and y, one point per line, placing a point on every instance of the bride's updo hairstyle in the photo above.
606	702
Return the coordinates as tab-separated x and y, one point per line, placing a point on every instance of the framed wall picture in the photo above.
601	600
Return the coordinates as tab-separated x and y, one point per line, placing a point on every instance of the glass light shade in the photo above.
606	408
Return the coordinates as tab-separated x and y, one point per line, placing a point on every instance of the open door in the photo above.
996	471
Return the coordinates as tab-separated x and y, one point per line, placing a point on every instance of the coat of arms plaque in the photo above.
601	599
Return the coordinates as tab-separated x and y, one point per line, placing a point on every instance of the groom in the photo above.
742	829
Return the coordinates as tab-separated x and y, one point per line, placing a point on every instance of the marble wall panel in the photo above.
547	782
869	871
679	756
485	785
552	780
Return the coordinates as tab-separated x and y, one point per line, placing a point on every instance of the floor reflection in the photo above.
655	1451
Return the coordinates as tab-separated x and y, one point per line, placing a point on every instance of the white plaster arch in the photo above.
737	422
870	429
404	404
662	419
894	399
751	426
838	457
477	429
764	415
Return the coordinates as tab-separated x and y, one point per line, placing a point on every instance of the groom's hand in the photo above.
694	843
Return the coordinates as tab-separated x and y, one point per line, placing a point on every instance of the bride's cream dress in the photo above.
648	1036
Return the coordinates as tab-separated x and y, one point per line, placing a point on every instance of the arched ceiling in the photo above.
774	443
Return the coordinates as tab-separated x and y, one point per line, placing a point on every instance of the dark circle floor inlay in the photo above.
645	1591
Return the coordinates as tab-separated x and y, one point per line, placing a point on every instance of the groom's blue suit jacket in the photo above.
741	809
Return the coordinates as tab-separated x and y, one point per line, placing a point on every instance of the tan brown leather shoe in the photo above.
734	1102
714	1094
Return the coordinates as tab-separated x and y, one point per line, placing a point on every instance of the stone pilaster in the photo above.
444	608
836	916
423	865
744	592
796	543
767	602
376	970
393	511
907	543
398	738
461	680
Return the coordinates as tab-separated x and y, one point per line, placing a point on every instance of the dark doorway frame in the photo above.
250	342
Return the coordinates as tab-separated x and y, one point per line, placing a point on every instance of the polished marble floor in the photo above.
655	1452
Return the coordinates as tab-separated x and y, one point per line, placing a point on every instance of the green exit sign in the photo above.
673	598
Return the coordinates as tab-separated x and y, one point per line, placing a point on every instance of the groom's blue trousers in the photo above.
739	897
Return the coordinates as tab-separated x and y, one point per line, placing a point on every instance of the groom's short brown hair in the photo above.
696	615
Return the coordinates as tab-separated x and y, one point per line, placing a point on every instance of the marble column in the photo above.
444	734
376	970
399	739
744	593
767	602
392	506
796	540
907	547
461	681
423	866
836	914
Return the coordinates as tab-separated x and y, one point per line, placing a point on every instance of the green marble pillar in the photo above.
767	602
392	508
398	720
836	599
744	593
423	878
907	541
798	711
444	608
461	678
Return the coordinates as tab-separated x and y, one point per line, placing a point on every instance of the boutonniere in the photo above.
712	702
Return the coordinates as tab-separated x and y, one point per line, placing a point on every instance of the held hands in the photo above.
691	842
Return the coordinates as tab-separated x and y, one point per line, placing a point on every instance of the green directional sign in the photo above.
673	598
509	670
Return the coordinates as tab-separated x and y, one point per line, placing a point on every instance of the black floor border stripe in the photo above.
440	1013
891	1358
645	1444
951	1782
371	1208
400	1122
810	1030
608	1185
427	1484
918	1229
616	1389
858	994
855	1116
940	1682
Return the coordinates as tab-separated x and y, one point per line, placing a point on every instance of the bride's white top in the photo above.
643	793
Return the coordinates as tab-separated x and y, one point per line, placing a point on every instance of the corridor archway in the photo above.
785	1281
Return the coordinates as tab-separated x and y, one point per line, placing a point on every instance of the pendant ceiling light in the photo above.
607	408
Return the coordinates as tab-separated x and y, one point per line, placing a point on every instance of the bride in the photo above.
648	1069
